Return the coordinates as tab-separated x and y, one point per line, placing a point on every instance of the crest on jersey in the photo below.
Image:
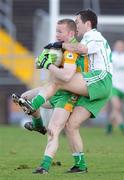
69	55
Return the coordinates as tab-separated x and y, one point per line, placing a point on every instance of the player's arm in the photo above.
89	47
78	48
67	72
63	74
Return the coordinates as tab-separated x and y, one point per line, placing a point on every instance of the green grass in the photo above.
21	151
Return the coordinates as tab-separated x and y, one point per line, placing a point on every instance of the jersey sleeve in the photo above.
91	44
70	57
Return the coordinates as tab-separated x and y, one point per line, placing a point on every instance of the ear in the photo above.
89	25
72	33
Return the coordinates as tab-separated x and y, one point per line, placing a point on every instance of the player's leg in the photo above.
37	122
76	85
45	92
63	102
56	124
89	107
115	114
50	89
78	116
115	117
80	84
30	93
26	95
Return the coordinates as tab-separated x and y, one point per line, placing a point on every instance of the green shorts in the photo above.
118	93
99	87
63	99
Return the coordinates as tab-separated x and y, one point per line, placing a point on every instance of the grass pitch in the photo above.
21	151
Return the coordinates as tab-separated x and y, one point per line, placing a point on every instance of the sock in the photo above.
37	101
109	128
37	122
46	163
79	160
121	126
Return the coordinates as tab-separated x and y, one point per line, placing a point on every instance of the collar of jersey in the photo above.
73	40
88	32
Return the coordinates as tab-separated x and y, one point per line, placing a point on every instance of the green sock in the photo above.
37	122
37	101
109	128
121	126
46	163
79	160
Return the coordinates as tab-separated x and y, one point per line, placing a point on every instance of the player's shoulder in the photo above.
92	35
87	38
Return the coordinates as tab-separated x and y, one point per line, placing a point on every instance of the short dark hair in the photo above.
70	23
88	15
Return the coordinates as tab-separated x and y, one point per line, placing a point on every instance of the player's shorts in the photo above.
63	99
99	87
118	93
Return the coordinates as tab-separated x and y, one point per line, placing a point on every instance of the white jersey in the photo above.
118	70
99	52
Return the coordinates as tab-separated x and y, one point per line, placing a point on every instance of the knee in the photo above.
52	133
71	127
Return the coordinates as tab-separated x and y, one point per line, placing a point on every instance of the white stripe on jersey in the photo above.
99	52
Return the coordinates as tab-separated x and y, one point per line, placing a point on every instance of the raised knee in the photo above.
51	132
69	127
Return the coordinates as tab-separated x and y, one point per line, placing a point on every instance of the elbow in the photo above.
67	77
69	74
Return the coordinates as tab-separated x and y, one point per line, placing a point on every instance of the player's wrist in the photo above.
49	66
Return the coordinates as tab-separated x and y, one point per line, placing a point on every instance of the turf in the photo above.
21	151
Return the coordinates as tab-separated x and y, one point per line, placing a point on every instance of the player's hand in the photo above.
46	60
52	57
41	57
55	45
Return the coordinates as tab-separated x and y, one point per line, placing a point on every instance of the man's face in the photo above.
81	27
119	46
63	33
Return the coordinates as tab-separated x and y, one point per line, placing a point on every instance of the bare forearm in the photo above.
78	48
60	73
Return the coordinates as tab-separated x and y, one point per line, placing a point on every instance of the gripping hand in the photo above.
45	59
41	58
55	45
